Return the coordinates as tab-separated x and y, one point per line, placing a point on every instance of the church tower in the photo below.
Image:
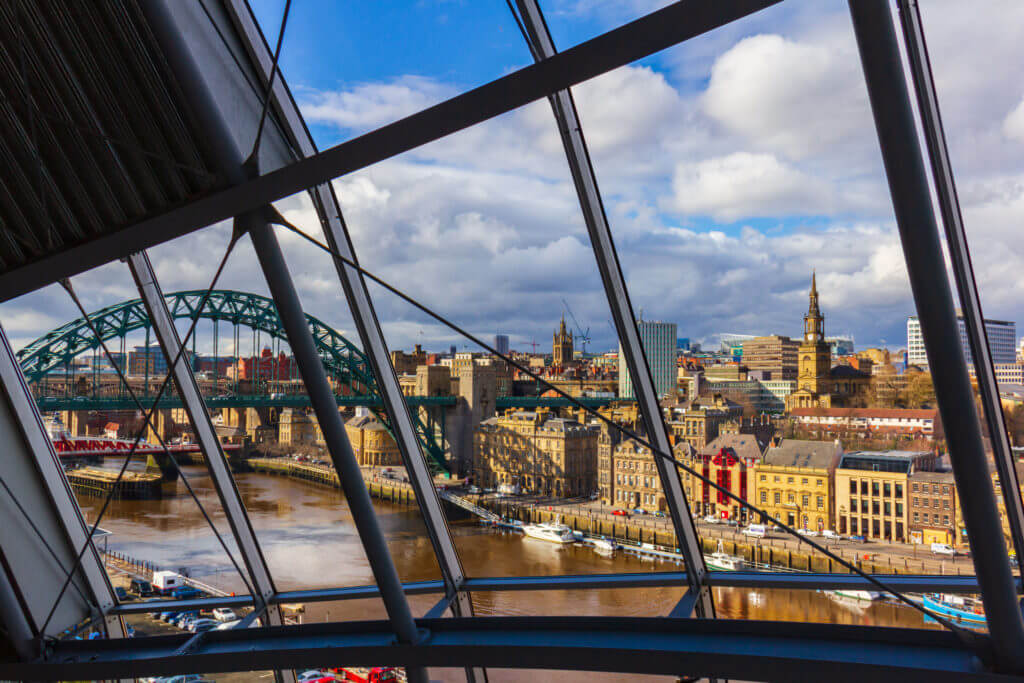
561	345
814	354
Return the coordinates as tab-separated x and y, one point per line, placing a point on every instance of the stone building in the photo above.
632	477
730	461
545	455
406	363
871	492
294	428
795	483
699	423
933	508
561	345
775	354
372	442
819	385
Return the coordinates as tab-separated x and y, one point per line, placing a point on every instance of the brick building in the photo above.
933	508
730	461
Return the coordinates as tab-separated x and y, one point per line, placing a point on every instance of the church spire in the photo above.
813	309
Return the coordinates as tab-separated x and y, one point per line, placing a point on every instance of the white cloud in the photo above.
370	105
1013	124
741	185
797	98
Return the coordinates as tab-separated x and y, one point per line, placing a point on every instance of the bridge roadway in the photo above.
61	403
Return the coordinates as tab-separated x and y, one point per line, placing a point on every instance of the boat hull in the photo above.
933	605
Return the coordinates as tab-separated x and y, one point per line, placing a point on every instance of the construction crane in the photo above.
584	337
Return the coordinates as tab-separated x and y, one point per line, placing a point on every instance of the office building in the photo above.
775	354
871	492
1002	336
659	342
501	344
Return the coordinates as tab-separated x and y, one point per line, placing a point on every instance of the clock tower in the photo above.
814	354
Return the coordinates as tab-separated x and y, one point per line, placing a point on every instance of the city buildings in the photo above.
1002	336
266	367
818	383
561	346
150	360
294	428
729	461
632	478
1009	373
796	480
372	442
541	453
870	422
774	354
871	492
659	342
406	363
933	508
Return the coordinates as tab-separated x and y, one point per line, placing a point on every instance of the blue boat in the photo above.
957	607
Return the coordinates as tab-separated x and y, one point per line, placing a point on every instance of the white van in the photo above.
755	530
165	582
828	533
943	549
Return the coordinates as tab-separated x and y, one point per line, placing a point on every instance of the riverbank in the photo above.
780	552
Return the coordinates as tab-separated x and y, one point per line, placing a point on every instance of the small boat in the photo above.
863	596
968	610
548	531
603	545
723	561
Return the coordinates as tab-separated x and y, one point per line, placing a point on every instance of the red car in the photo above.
620	513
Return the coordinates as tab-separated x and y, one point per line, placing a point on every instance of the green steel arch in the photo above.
342	360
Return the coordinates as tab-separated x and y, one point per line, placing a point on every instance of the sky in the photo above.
731	166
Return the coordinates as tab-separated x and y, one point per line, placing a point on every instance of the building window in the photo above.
899	490
764	496
791	498
778	498
875	508
806	501
945	490
917	517
853	487
821	502
863	487
945	519
899	509
917	502
764	477
888	508
887	489
924	502
915	487
789	480
874	488
945	504
803	482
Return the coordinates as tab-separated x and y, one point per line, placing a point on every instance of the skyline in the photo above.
731	166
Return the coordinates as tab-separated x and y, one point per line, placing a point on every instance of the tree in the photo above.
919	392
1015	423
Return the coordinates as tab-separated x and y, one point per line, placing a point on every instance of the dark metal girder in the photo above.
744	650
638	39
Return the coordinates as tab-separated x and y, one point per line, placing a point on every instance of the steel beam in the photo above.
202	426
35	567
733	649
638	39
564	107
229	161
922	249
361	307
960	258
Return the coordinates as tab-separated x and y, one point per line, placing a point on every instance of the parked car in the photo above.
141	587
187	592
182	620
620	513
201	625
711	519
228	625
943	549
223	614
828	533
730	522
122	594
859	539
311	675
755	531
807	532
639	511
188	678
165	616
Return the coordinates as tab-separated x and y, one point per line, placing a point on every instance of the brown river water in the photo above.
310	541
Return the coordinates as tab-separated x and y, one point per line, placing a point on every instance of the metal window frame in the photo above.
564	108
893	114
361	307
217	465
960	258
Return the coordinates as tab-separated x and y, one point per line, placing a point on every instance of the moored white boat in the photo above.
723	561
546	531
603	545
864	596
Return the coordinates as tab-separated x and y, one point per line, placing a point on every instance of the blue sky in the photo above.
731	166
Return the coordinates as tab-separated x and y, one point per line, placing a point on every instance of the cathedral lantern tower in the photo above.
561	345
